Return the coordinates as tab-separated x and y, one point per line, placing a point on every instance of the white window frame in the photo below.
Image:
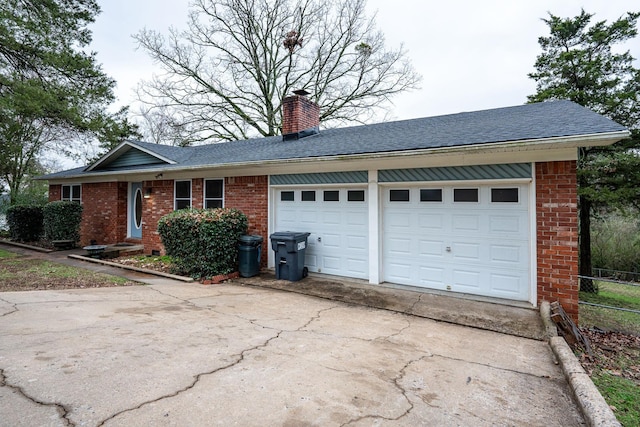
175	198
204	192
71	198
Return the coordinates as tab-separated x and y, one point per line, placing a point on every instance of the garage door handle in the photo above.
448	248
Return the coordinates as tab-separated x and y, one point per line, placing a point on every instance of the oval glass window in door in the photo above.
138	208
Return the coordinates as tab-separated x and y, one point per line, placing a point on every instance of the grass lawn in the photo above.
615	339
615	295
20	273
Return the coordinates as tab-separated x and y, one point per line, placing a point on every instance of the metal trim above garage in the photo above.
457	173
355	177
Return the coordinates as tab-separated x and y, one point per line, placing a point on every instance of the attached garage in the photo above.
467	238
334	214
469	235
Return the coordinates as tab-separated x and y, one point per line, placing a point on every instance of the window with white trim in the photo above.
213	193
72	193
182	194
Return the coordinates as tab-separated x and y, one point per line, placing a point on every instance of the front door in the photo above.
135	210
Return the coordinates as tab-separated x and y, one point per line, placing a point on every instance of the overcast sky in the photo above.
472	54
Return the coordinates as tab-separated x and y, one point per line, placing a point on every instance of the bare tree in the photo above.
229	70
162	125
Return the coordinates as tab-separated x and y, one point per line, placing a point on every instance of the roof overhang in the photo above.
533	150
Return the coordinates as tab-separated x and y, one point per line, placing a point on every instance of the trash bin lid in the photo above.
289	235
250	239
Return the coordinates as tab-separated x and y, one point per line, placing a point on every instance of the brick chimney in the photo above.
300	116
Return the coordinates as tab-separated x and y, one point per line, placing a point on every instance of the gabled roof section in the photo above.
134	154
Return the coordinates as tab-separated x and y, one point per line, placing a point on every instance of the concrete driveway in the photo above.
194	355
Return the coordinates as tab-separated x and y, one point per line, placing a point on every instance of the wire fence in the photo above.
630	277
624	278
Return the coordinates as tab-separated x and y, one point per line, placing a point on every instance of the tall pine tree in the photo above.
580	62
51	90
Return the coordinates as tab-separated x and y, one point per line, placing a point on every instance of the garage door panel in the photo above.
466	280
466	251
432	277
465	223
360	243
431	222
507	285
357	267
356	219
331	241
338	243
431	248
400	272
507	254
399	222
400	246
480	248
506	224
330	263
331	218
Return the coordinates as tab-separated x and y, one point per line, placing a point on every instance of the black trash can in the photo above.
289	248
249	252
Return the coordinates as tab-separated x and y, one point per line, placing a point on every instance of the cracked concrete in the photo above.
187	354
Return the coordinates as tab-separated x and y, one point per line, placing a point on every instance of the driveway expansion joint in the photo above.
62	410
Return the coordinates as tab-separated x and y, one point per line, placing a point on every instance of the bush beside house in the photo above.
62	220
25	222
203	242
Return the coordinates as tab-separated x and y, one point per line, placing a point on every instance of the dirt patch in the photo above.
161	264
31	274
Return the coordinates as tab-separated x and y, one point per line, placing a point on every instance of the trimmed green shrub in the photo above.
62	220
203	242
25	222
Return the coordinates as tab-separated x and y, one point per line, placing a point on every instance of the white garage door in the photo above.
338	222
470	239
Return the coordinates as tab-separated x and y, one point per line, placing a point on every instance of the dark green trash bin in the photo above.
289	251
249	253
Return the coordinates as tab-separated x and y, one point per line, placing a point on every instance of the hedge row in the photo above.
203	242
58	220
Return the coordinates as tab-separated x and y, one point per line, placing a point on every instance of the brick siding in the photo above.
104	213
557	234
155	207
250	195
55	192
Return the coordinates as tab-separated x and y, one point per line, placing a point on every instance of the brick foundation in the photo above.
557	234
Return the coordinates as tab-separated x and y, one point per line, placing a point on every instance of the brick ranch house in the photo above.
481	203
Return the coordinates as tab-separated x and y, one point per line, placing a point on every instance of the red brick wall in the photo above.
299	113
55	193
250	195
104	213
155	207
557	234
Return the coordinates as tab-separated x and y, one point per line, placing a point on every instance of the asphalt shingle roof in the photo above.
525	122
